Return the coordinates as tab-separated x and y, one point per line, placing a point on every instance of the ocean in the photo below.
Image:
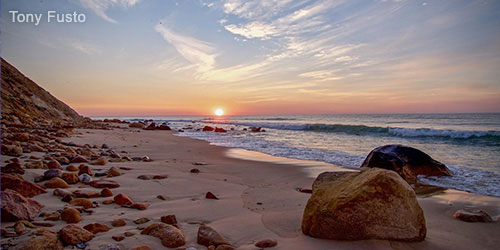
469	144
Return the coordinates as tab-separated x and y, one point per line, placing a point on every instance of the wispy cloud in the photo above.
83	47
99	7
199	53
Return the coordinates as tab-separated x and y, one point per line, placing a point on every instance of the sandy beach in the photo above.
257	199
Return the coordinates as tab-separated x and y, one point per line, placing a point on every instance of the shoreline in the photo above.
257	199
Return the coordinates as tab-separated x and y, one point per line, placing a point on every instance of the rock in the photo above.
34	165
169	219
151	126
104	145
53	216
81	202
373	204
72	168
56	182
266	243
104	184
209	195
195	171
67	198
141	221
86	194
20	226
79	159
113	171
85	178
220	130
305	190
24	137
225	247
170	236
70	178
107	202
101	161
61	192
122	199
13	167
140	205
12	150
44	239
96	228
406	161
199	163
62	159
142	248
73	234
137	125
36	148
146	158
109	246
208	236
161	197
106	192
256	129
118	237
85	169
43	224
208	128
54	165
473	216
118	223
145	177
71	215
51	173
16	207
129	234
160	177
23	187
163	126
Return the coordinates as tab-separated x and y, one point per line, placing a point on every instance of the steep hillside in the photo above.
23	101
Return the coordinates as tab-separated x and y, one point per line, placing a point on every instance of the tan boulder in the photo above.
73	234
71	215
56	182
81	202
373	204
170	236
207	236
42	240
70	178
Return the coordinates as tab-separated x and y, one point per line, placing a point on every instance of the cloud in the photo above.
83	47
252	30
99	7
198	53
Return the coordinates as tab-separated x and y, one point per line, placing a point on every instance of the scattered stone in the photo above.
107	202
118	237
104	184
220	130
73	234
85	169
51	173
208	128
141	221
473	216
209	195
160	177
161	197
163	126
72	168
13	167
366	205
118	223
142	248
195	171
109	246
34	165
137	125
145	177
225	247
406	161
42	239
82	202
151	126
96	228
146	158
170	236
12	150
101	161
122	199
140	205
104	145
56	182
86	194
43	224
79	159
106	192
266	243
53	216
169	219
20	226
54	165
199	163
128	234
305	190
113	171
207	236
23	187
61	192
16	207
71	215
70	178
85	178
67	198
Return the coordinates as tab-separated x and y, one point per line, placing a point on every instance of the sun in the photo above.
219	112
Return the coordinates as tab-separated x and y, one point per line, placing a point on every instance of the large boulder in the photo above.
25	188
16	207
406	161
43	239
373	204
73	234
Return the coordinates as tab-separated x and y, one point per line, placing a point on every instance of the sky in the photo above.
163	57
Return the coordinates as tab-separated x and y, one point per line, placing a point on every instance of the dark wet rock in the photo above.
373	204
406	161
195	171
209	195
220	130
208	128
